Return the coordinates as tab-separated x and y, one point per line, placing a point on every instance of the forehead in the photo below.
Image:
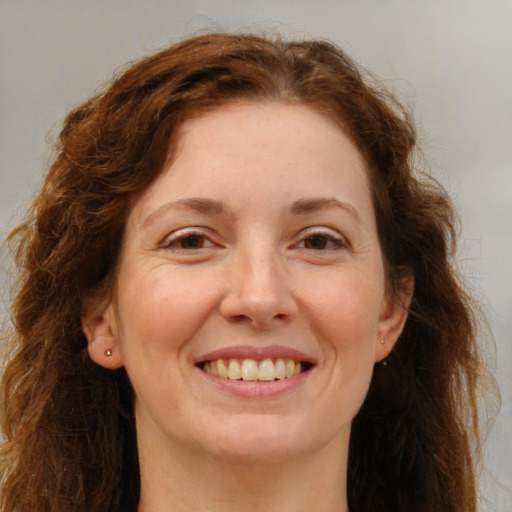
274	150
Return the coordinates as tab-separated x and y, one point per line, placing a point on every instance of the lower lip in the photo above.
257	389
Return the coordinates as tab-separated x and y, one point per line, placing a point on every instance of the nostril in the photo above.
261	308
240	318
259	321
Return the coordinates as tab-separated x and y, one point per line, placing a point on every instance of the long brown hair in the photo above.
69	423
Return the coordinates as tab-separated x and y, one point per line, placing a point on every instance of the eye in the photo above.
321	241
187	240
191	242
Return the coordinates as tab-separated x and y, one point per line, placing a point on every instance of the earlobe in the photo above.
99	327
393	318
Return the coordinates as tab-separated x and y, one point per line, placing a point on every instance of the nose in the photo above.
258	291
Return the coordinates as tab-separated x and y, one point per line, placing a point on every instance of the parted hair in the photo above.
68	423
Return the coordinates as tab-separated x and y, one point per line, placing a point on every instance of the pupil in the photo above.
192	242
316	242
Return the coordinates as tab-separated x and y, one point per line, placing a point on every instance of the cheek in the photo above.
347	310
163	309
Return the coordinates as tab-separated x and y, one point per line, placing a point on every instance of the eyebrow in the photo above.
207	206
310	205
193	204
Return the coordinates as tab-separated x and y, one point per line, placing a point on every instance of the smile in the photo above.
266	370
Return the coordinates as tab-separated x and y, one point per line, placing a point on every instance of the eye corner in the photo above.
321	239
189	240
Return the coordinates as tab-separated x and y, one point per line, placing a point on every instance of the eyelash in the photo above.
330	241
172	241
337	242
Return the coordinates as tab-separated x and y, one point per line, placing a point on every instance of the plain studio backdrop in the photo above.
451	61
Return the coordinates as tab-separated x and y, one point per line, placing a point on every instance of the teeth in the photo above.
267	370
222	368
234	370
290	368
251	370
280	369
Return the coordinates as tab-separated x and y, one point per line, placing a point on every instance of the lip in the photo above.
257	353
256	389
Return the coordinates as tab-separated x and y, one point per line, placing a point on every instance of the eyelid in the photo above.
329	233
182	233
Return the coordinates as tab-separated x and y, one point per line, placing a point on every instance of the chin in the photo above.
265	440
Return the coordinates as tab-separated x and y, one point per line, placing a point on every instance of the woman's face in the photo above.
256	246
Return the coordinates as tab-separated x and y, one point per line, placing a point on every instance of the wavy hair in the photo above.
68	423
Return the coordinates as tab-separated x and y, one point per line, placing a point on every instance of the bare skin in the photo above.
257	242
220	486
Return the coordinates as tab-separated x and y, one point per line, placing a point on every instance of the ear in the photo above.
393	317
100	329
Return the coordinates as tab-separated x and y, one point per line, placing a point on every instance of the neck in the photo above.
198	482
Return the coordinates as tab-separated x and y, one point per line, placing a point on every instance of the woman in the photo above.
236	293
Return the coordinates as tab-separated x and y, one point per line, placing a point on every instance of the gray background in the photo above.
450	60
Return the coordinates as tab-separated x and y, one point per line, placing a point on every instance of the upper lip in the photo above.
258	353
